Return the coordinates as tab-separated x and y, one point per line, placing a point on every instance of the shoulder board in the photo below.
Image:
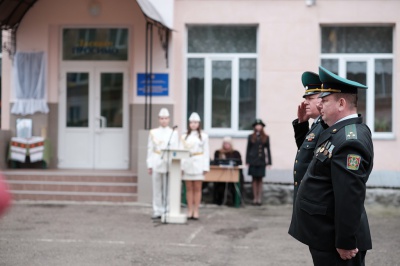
351	131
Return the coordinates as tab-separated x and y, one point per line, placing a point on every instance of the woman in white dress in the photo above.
194	167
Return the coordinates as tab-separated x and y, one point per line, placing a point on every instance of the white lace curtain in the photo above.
29	83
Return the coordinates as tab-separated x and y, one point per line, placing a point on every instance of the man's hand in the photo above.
301	113
347	254
150	171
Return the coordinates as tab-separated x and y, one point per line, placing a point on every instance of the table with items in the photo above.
29	150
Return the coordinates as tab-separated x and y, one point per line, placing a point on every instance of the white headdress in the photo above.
163	112
194	117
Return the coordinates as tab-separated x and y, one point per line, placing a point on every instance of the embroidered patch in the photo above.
353	161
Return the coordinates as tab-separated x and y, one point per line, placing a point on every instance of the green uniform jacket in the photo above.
329	210
306	141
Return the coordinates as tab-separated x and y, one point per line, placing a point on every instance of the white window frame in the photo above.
370	97
235	59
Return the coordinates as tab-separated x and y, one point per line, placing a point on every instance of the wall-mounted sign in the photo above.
159	84
107	44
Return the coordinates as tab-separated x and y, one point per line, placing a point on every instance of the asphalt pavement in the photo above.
92	234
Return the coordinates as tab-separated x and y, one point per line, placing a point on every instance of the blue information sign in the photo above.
159	82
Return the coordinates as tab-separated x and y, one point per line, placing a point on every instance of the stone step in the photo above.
72	185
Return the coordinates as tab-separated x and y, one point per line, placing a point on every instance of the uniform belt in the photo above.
196	153
158	152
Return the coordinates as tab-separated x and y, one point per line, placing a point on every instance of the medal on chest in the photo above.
310	137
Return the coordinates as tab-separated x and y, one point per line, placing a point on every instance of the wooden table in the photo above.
226	174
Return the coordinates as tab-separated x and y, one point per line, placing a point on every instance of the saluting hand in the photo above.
302	113
347	254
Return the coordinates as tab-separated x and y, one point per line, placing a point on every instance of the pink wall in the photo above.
288	44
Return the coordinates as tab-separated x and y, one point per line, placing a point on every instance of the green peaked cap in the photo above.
332	83
311	83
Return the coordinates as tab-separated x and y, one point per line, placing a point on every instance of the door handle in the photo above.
103	123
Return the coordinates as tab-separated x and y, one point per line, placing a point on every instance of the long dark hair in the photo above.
263	136
189	130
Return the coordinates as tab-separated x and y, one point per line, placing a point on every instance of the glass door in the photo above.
111	132
93	128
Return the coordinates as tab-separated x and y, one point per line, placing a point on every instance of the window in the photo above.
365	55
95	44
222	77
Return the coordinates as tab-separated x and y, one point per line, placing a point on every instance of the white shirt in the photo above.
347	117
199	160
157	142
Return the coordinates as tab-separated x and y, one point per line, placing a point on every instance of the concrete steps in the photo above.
72	185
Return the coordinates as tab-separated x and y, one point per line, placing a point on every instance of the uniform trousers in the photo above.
332	258
160	202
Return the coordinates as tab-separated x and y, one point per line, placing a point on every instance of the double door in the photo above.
93	118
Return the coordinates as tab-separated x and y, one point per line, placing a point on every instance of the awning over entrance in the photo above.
161	11
12	12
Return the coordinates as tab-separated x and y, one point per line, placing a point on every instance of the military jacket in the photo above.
199	150
329	210
157	142
258	152
306	140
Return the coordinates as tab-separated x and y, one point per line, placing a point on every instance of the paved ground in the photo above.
34	234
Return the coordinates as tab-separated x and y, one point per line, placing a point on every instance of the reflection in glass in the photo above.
195	85
357	71
77	107
383	95
111	107
357	39
222	39
247	92
331	64
221	94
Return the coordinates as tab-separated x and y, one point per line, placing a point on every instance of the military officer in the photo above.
329	214
160	139
306	138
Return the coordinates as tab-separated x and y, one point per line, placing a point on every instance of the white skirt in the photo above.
193	177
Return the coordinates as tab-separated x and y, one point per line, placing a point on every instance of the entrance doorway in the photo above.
93	118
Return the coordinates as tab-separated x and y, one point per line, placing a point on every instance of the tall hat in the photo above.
311	83
194	117
163	112
258	122
332	83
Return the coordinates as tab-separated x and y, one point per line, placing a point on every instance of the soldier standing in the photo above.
306	138
160	138
329	213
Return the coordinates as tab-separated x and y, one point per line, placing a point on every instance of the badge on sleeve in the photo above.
353	161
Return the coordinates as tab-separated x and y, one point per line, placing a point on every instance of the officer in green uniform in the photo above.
306	137
329	214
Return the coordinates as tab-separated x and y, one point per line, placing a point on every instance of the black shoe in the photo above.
156	217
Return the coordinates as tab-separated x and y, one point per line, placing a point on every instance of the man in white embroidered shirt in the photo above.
161	138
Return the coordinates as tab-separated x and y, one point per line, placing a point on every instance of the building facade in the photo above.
230	61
